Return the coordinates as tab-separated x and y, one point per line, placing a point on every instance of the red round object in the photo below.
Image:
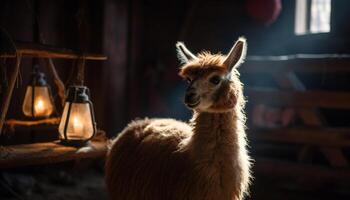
264	11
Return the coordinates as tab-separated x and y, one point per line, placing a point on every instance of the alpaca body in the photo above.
144	163
205	159
165	159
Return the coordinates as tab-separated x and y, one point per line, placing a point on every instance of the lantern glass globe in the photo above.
78	123
37	102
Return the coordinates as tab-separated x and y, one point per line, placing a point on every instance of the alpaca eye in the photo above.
215	80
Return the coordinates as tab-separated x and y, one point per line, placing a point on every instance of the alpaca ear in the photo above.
237	54
183	53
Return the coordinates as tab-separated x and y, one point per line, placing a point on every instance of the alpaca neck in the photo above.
217	149
215	136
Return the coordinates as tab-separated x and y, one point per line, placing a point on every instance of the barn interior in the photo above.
121	56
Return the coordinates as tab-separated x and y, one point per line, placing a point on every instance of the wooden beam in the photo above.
303	57
310	99
298	63
49	152
292	170
310	136
45	51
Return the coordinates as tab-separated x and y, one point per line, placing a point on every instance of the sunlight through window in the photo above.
312	16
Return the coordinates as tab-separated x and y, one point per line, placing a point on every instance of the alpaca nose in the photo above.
191	99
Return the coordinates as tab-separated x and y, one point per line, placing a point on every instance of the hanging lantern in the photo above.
37	100
77	124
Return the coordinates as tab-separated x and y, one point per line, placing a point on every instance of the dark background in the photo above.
140	76
140	79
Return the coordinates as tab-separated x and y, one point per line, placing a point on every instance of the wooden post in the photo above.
8	94
46	51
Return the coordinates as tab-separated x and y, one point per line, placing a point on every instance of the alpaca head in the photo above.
213	79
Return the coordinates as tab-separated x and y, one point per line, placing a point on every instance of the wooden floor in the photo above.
51	182
273	180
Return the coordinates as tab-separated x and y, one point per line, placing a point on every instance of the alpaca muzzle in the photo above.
192	99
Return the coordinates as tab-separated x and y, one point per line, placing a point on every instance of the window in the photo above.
312	16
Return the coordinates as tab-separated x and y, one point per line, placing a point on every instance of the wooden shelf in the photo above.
49	152
46	51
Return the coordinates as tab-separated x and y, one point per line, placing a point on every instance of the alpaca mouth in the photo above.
192	105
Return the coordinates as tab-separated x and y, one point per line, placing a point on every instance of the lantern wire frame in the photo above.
35	121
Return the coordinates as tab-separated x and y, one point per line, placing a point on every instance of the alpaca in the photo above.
205	159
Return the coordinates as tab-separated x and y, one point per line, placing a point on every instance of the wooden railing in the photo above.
312	136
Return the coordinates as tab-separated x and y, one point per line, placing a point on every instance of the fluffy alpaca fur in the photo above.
205	159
